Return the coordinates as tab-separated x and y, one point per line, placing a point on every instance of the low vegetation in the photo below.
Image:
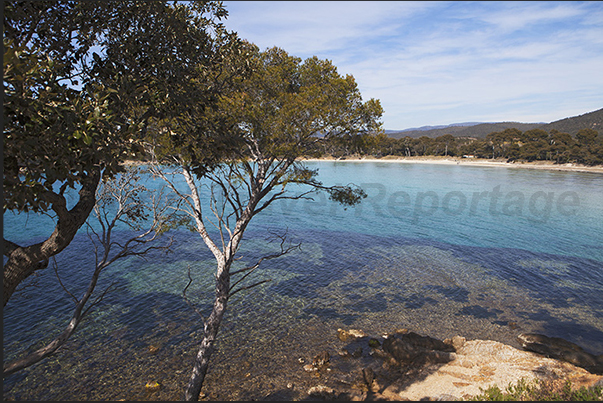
549	390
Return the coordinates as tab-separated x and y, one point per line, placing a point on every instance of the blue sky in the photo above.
437	62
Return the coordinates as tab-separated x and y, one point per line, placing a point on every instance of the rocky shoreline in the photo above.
404	365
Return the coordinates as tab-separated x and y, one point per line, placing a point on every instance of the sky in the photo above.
437	62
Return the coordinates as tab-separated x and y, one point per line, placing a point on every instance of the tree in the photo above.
422	145
560	144
278	114
120	201
445	145
504	144
535	145
589	143
51	130
84	82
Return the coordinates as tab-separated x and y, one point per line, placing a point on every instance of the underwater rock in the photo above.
343	352
310	368
321	392
411	347
153	386
321	359
558	348
357	353
349	335
369	376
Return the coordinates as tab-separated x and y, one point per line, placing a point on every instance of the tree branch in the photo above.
132	247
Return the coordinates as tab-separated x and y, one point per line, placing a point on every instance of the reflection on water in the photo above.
343	280
486	271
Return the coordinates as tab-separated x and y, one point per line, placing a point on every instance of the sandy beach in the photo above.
478	162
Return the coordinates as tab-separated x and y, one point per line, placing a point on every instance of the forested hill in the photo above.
571	125
591	120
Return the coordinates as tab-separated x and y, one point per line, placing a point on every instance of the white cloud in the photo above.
444	62
525	15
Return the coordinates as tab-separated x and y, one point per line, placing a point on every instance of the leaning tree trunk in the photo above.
23	261
211	332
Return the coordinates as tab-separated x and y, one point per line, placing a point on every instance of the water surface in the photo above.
442	250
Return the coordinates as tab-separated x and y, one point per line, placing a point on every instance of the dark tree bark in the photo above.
23	261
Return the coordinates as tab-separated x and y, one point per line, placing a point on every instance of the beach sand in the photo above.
478	162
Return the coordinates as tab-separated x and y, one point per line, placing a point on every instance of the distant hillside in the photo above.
478	130
591	120
424	128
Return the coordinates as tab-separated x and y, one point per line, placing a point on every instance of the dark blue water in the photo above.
442	250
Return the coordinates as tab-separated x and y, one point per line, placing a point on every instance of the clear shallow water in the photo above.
441	250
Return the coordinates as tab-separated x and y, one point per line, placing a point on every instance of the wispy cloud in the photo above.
443	62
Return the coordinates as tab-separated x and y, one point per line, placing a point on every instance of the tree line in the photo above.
586	147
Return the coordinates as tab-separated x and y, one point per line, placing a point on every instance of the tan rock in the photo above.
458	342
480	364
349	335
153	386
310	368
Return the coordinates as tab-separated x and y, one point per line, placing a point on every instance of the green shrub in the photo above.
540	391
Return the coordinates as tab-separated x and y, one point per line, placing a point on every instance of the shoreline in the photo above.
477	162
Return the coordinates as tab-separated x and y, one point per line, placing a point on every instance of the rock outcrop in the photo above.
409	366
413	349
479	364
555	347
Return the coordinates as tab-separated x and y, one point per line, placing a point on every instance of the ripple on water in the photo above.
376	284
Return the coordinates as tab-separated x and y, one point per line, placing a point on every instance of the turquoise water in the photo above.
439	249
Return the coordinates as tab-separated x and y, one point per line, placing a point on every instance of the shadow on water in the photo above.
329	314
455	293
480	312
413	301
349	279
375	303
586	335
552	282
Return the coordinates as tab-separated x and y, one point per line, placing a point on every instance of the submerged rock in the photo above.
153	386
558	348
349	335
407	348
153	348
321	392
310	368
374	343
321	359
